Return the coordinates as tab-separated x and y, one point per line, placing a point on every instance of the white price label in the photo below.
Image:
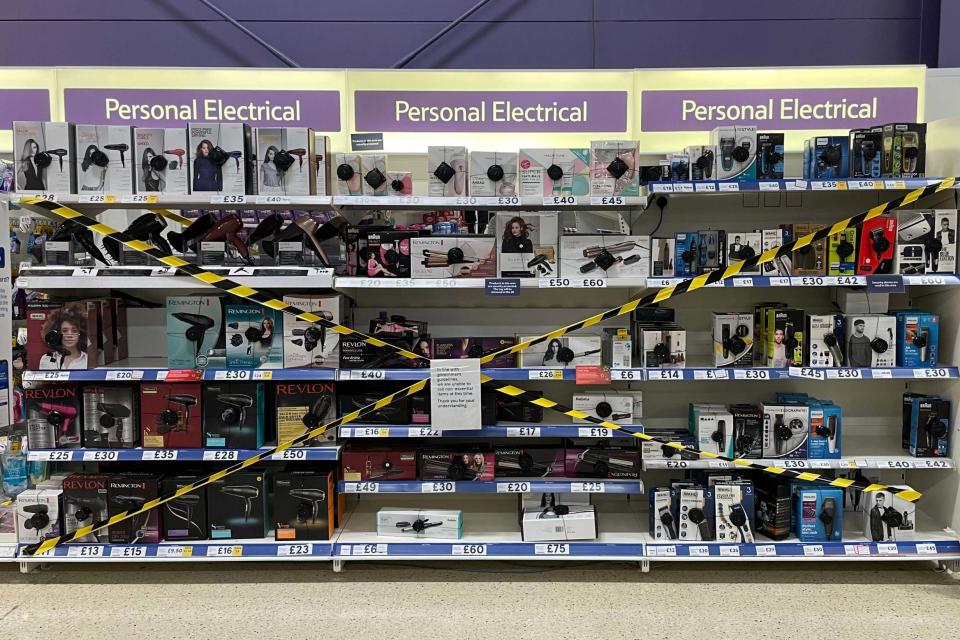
545	374
590	283
779	281
626	374
808	281
743	282
683	187
553	283
438	487
813	550
523	432
84	272
864	184
273	200
661	283
163	271
751	374
844	374
666	550
97	198
552	549
52	456
588	487
766	550
926	548
424	432
699	551
766	185
705	186
101	456
232	374
856	549
928	280
174	551
665	187
362	487
85	551
513	487
469	550
729	186
791	464
933	463
293	550
293	453
367	374
159	455
369	550
824	185
594	432
664	374
225	551
711	374
899	464
507	201
559	200
676	464
719	464
881	374
132	551
931	373
887	548
371	432
729	550
820	464
607	201
262	375
47	376
894	184
806	372
847	281
139	198
862	463
228	199
220	456
123	374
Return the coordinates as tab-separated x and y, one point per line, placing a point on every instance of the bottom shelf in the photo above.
200	551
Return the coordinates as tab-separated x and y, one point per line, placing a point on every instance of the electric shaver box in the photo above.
453	257
254	337
662	346
528	245
713	250
887	518
733	342
447	171
714	430
309	345
842	253
734	512
84	503
825	431
811	260
160	161
747	434
866	152
443	524
453	348
104	160
171	415
602	462
774	503
65	335
785	431
554	172
45	151
929	427
785	337
54	416
657	451
904	150
662	257
378	463
871	340
770	156
687	256
819	514
620	408
303	504
38	515
237	506
194	331
184	518
829	158
472	464
233	414
285	161
702	161
529	462
129	492
493	173
926	241
695	514
302	406
918	335
111	416
613	168
352	396
219	157
561	353
662	524
742	245
825	340
736	152
604	256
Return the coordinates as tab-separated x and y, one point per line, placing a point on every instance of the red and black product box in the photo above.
378	463
302	406
184	518
85	502
111	416
171	416
352	396
452	348
65	335
384	253
54	416
530	462
461	464
603	462
129	492
877	246
303	505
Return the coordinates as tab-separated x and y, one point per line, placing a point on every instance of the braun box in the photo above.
559	353
453	257
310	345
284	159
104	159
160	161
554	172
623	256
613	168
493	173
45	151
219	153
447	171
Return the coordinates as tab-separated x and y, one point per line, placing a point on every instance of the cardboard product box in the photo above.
662	524
625	407
785	431
820	514
774	505
825	340
782	265
866	152
658	172
254	337
603	462
547	502
171	415
38	515
184	518
401	183
904	150
929	427
842	253
129	492
375	179
285	161
447	171
303	505
679	167
194	330
309	345
656	451
554	172
513	410
918	334
713	250
460	464
747	438
442	524
111	416
625	256
687	255
926	241
702	160
742	245
906	417
420	408
349	172
733	340
735	512
562	353
736	152
64	335
529	462
454	348
160	160
715	432
857	300
528	244
826	422
785	337
871	340
46	154
830	158
493	173
54	415
812	259
578	523
237	506
613	168
323	161
662	252
695	514
357	354
877	244
454	257
378	463
84	501
233	414
302	406
220	158
770	156
616	349
384	253
887	518
352	396
104	161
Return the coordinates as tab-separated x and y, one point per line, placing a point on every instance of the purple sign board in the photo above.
490	111
23	104
177	107
776	109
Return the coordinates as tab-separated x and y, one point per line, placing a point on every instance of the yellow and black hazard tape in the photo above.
171	215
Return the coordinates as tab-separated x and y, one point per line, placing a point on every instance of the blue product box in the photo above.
829	157
735	511
825	430
769	156
233	415
918	336
819	514
686	261
254	337
194	331
929	427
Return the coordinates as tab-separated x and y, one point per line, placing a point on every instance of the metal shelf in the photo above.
721	187
499	431
200	551
329	453
502	485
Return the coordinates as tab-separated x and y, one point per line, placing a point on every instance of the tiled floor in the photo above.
503	601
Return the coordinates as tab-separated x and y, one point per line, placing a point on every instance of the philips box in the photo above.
785	431
887	518
453	257
613	168
447	171
285	161
733	342
310	345
829	158
736	152
819	514
687	254
605	256
554	172
104	159
904	150
825	431
918	334
527	245
871	341
254	337
493	173
160	161
770	156
194	331
926	241
45	151
233	414
219	157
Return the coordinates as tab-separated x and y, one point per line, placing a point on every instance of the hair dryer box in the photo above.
254	337
104	162
303	504
54	416
111	416
46	159
233	414
493	173
160	161
38	515
310	345
303	405
129	492
194	331
613	168
447	171
554	172
170	415
184	518
219	157
65	335
829	158
285	161
84	503
237	506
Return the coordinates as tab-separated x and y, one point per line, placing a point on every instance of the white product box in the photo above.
825	347
219	157
617	348
620	408
656	451
401	183
781	266
105	159
715	432
446	524
887	518
493	173
375	180
926	241
736	152
742	245
546	501
349	174
161	161
54	170
661	257
447	171
284	159
613	168
695	521
852	301
527	244
733	342
38	515
871	340
702	160
631	255
554	172
453	257
559	353
733	510
308	345
785	431
663	526
580	523
663	348
321	145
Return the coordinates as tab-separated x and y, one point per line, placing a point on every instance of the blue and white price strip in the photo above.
469	550
523	432
294	550
367	550
361	487
132	551
85	551
438	487
552	549
513	487
224	551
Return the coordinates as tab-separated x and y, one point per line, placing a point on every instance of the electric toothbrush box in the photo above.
111	416
301	406
233	415
237	506
918	334
219	157
825	431
613	168
194	331
453	257
585	256
128	492
736	152
184	518
303	505
84	502
554	172
160	161
104	160
171	415
54	416
528	244
447	171
53	171
493	173
309	345
254	337
904	150
285	161
820	514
